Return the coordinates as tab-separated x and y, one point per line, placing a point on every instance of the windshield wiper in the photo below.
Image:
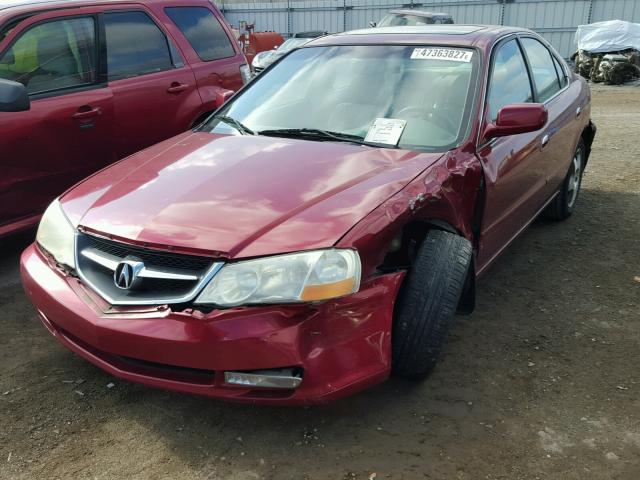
321	134
243	129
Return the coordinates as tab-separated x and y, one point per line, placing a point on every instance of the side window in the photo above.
562	76
135	45
509	81
51	56
542	69
203	31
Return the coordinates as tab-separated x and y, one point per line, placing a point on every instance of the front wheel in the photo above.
562	206
428	302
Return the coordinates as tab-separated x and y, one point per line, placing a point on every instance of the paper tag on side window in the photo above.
386	131
449	54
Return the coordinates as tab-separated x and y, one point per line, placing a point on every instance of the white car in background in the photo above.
412	18
263	59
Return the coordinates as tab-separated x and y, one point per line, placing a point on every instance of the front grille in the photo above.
151	257
153	277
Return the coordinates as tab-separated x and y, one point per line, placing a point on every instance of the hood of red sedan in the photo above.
241	195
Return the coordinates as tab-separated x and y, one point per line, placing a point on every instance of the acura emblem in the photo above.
126	274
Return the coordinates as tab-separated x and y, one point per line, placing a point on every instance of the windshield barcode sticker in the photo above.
450	54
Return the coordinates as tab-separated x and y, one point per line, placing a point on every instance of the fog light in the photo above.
281	378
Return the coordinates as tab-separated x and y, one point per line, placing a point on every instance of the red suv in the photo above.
84	83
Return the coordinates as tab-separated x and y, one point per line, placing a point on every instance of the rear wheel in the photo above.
563	205
428	302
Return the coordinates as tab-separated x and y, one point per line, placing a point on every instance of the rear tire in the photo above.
562	206
428	302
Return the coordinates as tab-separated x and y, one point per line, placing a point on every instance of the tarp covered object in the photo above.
609	36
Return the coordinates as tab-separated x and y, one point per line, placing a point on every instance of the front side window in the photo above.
53	56
542	69
203	32
135	45
344	89
509	81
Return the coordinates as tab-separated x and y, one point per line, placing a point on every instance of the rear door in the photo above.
561	132
154	92
66	134
514	173
214	55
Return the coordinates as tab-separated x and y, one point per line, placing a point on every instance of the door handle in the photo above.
86	111
545	140
177	87
578	111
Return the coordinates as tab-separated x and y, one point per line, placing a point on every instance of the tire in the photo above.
427	303
562	206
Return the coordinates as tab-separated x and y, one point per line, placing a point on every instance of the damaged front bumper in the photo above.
288	354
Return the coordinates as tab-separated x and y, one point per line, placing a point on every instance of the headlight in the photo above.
259	61
298	277
56	235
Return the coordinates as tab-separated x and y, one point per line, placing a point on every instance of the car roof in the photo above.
11	7
10	4
418	13
452	34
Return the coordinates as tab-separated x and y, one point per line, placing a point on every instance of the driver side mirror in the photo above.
222	95
373	24
517	118
13	97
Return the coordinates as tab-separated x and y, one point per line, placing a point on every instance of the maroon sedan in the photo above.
321	230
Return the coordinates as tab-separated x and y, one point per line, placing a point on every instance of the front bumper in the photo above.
341	346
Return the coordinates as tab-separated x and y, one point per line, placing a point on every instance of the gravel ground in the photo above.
540	382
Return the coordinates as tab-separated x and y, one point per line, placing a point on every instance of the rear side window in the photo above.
52	56
135	45
509	79
203	31
562	76
542	69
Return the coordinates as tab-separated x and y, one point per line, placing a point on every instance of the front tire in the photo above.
562	206
428	302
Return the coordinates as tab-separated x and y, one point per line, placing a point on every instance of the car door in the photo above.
561	131
154	93
66	134
215	61
514	173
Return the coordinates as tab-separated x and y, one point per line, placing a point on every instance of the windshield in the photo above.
402	20
344	89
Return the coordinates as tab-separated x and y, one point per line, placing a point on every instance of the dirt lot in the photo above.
541	382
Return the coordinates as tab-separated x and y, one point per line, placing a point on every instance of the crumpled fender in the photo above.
445	194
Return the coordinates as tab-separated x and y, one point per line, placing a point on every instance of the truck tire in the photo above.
428	302
562	206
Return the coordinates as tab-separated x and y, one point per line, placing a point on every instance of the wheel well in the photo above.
404	248
588	135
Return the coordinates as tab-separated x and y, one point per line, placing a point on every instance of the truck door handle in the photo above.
86	111
177	87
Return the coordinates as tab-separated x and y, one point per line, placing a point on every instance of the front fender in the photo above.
445	194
